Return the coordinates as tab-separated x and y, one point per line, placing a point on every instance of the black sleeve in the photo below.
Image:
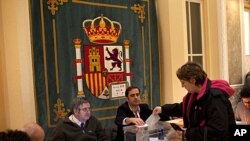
120	115
172	110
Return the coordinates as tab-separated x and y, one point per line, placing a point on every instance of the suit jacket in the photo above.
66	130
123	112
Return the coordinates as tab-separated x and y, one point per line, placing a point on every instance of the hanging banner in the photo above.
94	48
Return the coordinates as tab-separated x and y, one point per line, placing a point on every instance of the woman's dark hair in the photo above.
192	70
247	79
129	89
245	92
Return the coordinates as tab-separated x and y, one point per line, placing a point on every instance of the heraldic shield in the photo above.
104	67
104	70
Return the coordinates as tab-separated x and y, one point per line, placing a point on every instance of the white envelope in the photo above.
152	119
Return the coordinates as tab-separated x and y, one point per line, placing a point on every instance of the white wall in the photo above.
16	64
172	25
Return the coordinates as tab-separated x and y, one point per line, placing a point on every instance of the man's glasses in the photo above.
85	109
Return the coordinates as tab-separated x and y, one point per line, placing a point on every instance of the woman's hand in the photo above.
157	110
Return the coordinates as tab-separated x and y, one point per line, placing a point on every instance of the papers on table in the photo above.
241	123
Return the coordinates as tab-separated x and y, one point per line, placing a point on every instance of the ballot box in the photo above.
157	132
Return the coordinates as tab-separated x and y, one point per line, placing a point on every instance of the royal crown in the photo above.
106	32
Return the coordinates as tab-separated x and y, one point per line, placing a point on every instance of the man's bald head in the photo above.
35	131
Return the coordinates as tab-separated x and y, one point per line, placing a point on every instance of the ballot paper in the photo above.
241	123
152	120
142	126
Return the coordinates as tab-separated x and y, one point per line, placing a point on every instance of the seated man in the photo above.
80	125
242	111
131	112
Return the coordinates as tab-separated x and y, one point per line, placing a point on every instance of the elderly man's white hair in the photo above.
35	131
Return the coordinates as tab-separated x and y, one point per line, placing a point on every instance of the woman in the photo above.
207	113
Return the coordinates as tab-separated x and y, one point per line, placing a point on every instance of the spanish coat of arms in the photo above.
106	66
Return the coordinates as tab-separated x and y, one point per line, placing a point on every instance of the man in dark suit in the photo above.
132	112
79	125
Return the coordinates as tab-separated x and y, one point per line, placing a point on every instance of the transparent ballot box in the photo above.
157	132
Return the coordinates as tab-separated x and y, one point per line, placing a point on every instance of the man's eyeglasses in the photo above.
85	109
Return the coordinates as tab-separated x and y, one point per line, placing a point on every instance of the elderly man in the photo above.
35	131
80	125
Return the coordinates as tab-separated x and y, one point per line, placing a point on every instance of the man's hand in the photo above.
136	121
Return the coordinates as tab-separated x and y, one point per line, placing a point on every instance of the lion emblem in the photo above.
114	56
